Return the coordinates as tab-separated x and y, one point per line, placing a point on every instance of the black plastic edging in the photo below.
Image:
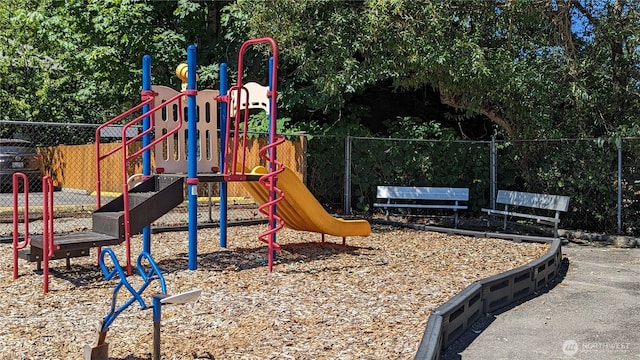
431	343
451	319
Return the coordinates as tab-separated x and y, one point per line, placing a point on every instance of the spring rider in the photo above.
149	272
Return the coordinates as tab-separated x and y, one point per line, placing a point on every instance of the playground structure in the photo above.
282	197
268	185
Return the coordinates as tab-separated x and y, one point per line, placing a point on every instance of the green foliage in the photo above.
342	127
259	124
415	128
526	66
540	69
521	64
584	170
80	61
436	160
326	159
417	163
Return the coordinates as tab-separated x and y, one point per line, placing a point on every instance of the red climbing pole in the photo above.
240	100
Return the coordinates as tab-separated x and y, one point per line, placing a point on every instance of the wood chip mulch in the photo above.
368	300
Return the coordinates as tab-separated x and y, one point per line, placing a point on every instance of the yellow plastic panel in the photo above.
300	210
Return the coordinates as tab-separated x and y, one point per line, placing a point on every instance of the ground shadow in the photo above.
459	345
195	356
80	275
239	259
471	224
132	357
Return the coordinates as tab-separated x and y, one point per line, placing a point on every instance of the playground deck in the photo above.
370	299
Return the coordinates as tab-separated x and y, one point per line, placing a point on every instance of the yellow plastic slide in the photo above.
300	210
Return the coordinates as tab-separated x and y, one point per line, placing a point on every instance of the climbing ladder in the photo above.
240	99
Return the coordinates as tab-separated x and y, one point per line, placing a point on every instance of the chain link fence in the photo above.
68	152
602	178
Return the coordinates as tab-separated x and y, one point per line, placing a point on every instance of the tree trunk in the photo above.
490	113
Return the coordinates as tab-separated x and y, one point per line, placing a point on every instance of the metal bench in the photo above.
420	197
531	201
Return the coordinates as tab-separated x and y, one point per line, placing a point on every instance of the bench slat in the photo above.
507	198
420	206
422	193
539	201
522	215
396	194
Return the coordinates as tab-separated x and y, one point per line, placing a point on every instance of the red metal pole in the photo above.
125	198
16	244
269	179
45	235
48	245
15	226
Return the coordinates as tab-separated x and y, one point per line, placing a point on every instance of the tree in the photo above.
80	61
605	63
535	69
522	64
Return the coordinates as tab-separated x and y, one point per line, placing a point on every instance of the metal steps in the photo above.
69	245
148	202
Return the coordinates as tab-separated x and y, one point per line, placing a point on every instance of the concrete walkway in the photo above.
593	313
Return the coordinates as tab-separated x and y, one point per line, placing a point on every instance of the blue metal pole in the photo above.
223	148
146	140
272	139
192	181
272	117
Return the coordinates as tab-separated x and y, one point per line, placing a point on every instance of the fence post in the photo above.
619	144
347	176
303	156
493	171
